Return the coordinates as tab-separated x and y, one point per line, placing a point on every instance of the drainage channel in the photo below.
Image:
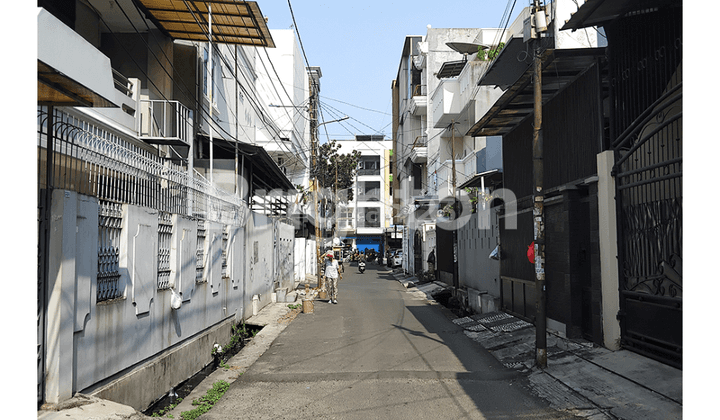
182	390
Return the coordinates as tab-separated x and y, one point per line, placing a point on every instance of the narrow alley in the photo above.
379	353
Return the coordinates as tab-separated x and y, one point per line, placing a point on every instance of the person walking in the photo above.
431	264
332	272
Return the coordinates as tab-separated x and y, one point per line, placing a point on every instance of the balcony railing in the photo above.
122	83
368	171
369	197
165	122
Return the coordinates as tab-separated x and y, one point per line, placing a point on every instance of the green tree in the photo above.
337	170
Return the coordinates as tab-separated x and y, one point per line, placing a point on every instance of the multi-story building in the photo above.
437	98
283	85
363	221
148	168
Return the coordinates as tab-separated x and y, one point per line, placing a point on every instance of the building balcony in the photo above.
446	105
368	197
419	154
419	100
368	172
165	122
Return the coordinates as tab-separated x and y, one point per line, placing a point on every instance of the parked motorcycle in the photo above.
361	266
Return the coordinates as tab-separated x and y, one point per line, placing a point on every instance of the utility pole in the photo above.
209	85
456	279
313	147
538	195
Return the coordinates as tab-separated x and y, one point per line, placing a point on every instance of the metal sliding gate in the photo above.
648	177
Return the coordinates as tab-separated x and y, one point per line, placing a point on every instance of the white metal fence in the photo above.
92	160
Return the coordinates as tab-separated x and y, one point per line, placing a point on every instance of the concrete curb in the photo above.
269	318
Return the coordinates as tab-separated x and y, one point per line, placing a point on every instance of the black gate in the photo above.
647	89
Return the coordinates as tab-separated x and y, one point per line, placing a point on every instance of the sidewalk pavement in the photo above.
582	378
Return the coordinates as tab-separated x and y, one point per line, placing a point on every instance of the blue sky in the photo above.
357	45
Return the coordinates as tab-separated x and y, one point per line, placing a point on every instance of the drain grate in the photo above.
513	326
478	327
494	318
463	321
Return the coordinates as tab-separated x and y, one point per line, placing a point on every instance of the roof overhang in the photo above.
70	70
233	21
492	177
266	175
58	89
506	69
559	68
602	12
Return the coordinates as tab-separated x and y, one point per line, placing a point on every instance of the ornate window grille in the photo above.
200	253
108	272
163	256
225	243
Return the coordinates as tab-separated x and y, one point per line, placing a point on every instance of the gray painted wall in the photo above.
476	240
90	343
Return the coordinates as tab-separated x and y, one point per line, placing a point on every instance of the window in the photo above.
369	191
345	218
417	177
369	165
205	75
369	217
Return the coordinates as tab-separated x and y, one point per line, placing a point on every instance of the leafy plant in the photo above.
296	306
491	53
207	401
472	192
164	411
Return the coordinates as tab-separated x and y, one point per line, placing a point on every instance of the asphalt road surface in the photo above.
380	353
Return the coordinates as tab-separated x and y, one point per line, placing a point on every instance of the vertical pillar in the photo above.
609	275
60	297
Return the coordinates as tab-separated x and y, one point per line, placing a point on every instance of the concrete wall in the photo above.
476	271
134	348
260	256
300	258
285	266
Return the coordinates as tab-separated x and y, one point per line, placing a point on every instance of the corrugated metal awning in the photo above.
233	21
559	68
492	177
266	175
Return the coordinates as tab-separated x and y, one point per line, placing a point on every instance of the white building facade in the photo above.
283	85
363	221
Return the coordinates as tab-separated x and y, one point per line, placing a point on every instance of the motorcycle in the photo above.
361	266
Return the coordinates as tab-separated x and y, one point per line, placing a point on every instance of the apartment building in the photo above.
364	220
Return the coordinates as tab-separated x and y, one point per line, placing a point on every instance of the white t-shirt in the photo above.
331	268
